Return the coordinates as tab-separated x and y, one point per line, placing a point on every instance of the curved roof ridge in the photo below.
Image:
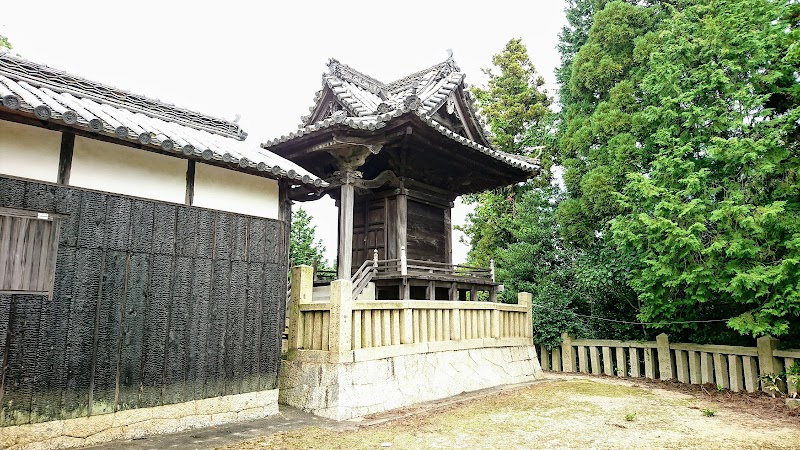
43	76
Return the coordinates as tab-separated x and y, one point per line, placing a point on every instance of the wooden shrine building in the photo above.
395	157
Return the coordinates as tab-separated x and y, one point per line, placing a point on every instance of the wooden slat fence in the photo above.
730	367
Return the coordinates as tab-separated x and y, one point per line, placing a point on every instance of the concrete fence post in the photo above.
666	369
301	292
339	339
526	299
567	353
768	364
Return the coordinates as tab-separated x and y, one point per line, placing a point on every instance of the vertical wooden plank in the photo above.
65	157
634	360
5	247
5	322
273	320
750	369
721	371
396	327
12	192
251	351
80	337
366	328
197	364
177	339
257	241
682	366
109	321
791	388
649	363
20	357
706	368
356	331
608	362
91	229
142	214
735	372
556	359
118	223
234	333
165	217
544	357
50	380
68	203
206	230
595	359
622	362
694	368
186	232
583	359
39	197
156	330
239	236
215	377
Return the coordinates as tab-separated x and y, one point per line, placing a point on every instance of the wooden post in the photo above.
453	292
665	367
526	299
302	290
345	257
403	261
768	364
622	366
339	338
567	353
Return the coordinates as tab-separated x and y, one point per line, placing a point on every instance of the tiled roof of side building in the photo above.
53	95
369	104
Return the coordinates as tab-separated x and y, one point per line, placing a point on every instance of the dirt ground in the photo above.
579	412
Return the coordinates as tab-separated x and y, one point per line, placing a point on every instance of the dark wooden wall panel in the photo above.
133	319
156	329
220	295
20	358
153	303
197	363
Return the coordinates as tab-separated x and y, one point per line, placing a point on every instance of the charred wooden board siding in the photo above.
153	304
426	232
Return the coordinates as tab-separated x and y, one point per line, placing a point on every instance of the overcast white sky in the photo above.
264	60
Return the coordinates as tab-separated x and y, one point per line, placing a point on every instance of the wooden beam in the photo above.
65	157
190	170
448	237
345	249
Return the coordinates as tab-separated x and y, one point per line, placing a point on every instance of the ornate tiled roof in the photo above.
369	104
54	95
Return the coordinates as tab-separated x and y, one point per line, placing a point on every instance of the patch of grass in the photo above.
630	417
708	412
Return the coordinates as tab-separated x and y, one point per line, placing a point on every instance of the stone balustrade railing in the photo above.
343	329
730	367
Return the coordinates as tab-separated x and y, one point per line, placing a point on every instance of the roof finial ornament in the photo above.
449	52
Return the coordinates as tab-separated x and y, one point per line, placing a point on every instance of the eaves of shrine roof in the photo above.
36	91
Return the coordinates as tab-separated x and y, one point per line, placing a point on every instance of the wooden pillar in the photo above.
401	220
341	316
345	256
567	353
65	157
302	290
448	236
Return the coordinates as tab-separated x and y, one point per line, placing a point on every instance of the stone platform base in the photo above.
138	423
353	389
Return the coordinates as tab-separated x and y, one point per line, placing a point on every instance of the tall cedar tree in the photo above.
304	248
513	103
716	215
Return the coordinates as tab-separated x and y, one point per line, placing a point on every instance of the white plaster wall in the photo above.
347	390
29	152
108	167
227	190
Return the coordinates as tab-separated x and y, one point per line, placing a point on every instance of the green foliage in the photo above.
709	412
513	101
715	215
4	42
630	417
521	123
304	248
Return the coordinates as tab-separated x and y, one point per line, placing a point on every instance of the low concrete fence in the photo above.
731	367
344	329
352	357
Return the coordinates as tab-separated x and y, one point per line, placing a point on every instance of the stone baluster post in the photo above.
301	292
339	331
